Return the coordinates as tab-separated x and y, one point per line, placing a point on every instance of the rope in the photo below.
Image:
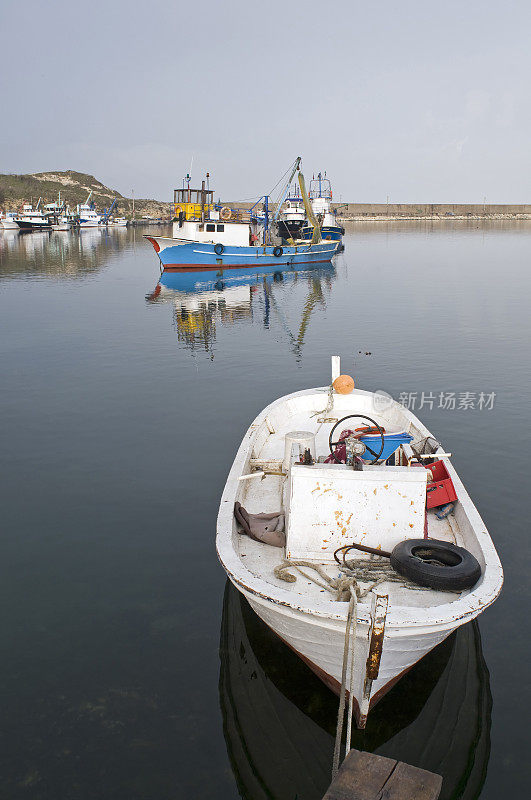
352	615
348	739
353	572
346	588
329	405
341	586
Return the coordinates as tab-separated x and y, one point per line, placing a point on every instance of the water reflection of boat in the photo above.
202	299
63	253
279	720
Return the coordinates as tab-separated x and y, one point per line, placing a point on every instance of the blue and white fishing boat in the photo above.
206	236
321	201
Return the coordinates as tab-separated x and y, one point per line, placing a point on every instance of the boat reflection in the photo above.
279	720
70	253
202	300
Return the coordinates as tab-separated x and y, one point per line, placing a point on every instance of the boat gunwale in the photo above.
456	612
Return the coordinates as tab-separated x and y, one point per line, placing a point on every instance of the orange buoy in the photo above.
343	384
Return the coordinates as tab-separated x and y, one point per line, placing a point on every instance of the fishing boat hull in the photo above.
33	226
177	255
332	233
290	229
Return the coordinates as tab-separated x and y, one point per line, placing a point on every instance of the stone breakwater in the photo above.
434	211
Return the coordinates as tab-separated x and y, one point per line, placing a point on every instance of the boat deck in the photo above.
265	495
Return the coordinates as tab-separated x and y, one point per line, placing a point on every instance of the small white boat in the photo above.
121	222
327	506
87	214
63	223
9	221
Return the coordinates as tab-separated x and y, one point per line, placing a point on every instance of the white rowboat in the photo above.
328	506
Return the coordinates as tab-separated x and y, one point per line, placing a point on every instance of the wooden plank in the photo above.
360	777
365	776
411	783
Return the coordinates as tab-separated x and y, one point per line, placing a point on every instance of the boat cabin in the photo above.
192	203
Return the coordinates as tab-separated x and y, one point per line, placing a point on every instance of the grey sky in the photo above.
421	101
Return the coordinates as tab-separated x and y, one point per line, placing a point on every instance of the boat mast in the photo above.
266	220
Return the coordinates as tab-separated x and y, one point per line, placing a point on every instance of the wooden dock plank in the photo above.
411	783
360	777
365	776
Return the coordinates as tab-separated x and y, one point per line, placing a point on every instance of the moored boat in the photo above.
32	219
320	193
206	235
292	217
9	221
62	223
328	506
87	214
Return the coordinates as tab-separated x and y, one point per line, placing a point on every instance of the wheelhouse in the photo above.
193	204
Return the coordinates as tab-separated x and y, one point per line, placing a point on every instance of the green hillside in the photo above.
74	187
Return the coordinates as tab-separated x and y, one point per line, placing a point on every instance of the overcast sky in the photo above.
418	101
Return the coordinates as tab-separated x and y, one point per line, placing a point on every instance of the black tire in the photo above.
218	249
277	251
439	565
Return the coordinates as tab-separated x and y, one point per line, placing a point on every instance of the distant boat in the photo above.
33	219
87	215
292	217
58	215
205	235
320	193
279	720
63	223
9	221
121	222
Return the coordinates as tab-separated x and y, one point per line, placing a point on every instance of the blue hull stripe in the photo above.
201	256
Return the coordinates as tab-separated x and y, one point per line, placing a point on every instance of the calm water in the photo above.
127	671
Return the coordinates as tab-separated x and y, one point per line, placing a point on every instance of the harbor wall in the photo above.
431	210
